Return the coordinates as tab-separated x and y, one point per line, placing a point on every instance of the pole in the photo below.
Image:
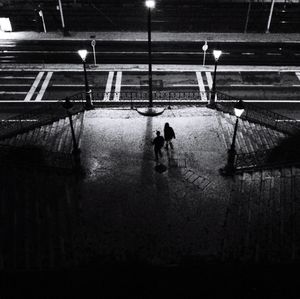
213	91
247	18
204	53
61	15
270	16
43	20
229	168
75	145
149	59
93	43
88	91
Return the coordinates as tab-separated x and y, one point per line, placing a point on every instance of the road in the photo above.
44	85
46	51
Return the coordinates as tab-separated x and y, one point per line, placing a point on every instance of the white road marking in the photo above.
274	54
69	85
13	92
17	85
44	87
34	86
248	53
298	75
201	86
209	79
252	85
108	86
118	87
11	77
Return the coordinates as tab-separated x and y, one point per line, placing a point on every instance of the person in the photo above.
169	135
158	143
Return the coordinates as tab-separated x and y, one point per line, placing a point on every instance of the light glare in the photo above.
150	3
217	54
82	54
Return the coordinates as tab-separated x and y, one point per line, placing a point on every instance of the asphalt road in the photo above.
275	54
42	85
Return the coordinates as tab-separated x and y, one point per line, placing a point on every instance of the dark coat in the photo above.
169	133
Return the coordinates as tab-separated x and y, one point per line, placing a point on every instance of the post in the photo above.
88	92
204	48
93	44
43	20
75	145
61	15
229	168
270	16
247	18
150	59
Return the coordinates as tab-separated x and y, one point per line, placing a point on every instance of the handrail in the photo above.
262	159
46	114
257	114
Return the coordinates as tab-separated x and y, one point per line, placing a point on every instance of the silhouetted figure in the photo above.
169	135
158	143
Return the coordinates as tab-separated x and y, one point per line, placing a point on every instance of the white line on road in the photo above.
252	85
248	53
34	86
44	87
118	87
108	86
298	75
274	54
16	85
11	77
13	92
201	86
209	79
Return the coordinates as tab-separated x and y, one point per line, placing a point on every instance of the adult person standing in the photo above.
158	143
169	134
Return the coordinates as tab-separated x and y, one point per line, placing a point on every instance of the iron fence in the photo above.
264	159
42	115
257	114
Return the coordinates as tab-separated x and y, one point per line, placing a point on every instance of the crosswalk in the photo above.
45	85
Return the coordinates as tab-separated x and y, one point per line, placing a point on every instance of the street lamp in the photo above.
229	167
150	4
217	54
88	92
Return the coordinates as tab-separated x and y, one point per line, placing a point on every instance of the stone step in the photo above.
263	216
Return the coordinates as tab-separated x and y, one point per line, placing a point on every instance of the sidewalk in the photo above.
156	36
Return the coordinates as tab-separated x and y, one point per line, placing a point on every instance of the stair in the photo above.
250	136
49	144
262	222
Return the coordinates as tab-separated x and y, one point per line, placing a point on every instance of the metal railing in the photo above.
264	159
257	114
42	115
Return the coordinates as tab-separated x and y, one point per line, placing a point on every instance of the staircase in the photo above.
262	218
42	137
261	136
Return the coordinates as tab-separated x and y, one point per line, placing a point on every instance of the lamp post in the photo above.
150	4
212	104
270	16
229	168
41	14
68	105
88	91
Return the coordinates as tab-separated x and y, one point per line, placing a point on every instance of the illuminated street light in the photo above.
150	4
229	168
217	54
88	97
